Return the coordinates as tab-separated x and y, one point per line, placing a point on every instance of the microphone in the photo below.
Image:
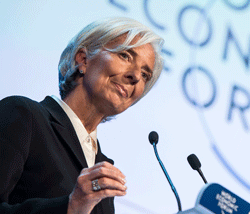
153	139
196	165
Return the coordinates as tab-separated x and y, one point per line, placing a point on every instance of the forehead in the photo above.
145	51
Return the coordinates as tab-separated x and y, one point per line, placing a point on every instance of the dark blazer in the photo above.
40	158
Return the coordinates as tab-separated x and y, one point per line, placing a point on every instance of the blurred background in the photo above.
201	103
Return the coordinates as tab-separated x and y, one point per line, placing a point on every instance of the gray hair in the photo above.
95	36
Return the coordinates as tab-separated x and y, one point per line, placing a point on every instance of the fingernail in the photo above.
124	180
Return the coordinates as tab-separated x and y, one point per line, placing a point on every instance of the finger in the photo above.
106	193
108	165
107	183
103	169
102	172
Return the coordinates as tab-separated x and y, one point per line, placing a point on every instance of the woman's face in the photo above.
114	81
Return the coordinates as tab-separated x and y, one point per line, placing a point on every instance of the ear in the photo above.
81	60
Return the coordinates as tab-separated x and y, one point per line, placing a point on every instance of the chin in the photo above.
115	105
115	109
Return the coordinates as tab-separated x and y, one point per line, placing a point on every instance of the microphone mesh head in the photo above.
153	137
194	162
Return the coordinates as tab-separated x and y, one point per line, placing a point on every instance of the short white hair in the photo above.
95	36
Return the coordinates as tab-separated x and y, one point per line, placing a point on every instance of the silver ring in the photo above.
95	185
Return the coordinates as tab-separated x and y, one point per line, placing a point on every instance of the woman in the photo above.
51	161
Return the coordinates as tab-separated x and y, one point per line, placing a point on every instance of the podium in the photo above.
216	199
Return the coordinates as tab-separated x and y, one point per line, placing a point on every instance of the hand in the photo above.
84	198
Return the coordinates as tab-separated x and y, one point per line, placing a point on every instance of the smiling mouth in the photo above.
122	90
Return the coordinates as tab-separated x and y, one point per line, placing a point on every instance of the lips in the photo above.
123	91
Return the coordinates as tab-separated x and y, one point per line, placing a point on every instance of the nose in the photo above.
133	76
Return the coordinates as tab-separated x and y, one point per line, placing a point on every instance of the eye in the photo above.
146	76
125	55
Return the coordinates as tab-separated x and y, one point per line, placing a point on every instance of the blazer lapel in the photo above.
107	204
65	130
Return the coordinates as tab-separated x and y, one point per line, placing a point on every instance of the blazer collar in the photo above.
63	126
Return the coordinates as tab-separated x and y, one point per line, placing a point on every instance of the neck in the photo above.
84	109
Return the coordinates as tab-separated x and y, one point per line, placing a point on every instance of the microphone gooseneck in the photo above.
196	165
153	139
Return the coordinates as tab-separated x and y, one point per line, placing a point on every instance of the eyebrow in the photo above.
146	67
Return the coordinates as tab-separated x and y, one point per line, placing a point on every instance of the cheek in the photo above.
112	67
98	72
139	91
109	67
